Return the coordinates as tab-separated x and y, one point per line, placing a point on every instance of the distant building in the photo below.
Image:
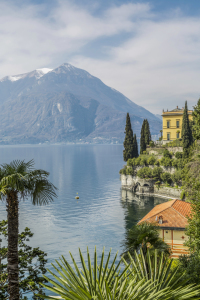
172	123
171	217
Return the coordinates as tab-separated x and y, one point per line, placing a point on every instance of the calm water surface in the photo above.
102	214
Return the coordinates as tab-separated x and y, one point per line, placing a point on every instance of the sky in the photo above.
147	50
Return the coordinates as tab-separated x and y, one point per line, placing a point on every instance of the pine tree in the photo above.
196	120
147	133
142	138
186	132
128	141
135	146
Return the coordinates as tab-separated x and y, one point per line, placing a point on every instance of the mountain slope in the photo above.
64	105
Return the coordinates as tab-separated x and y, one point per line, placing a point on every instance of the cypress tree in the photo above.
186	132
147	133
142	138
135	146
128	141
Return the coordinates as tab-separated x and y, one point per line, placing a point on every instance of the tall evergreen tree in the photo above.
142	138
128	141
196	120
147	133
186	132
135	146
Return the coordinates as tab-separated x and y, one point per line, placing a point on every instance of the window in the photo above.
168	124
178	135
177	124
168	136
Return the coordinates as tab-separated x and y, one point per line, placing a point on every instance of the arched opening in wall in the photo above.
136	186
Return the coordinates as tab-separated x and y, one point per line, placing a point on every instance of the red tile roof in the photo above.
174	214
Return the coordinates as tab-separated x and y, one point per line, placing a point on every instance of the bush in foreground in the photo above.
105	281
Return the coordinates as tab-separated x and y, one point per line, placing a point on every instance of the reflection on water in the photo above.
137	206
101	215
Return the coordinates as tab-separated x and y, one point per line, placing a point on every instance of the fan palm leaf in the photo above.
19	180
101	282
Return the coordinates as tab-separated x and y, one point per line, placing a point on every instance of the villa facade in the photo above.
171	217
172	123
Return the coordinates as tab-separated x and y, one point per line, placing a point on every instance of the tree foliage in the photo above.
32	263
128	141
142	237
142	139
147	132
186	132
104	281
135	146
19	180
196	121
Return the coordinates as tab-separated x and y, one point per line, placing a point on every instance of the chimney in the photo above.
177	107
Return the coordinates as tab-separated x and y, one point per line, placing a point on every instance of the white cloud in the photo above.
157	65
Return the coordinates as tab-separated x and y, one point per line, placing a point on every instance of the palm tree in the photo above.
145	235
19	180
105	281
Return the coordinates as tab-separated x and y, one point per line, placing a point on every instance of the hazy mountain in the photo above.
65	104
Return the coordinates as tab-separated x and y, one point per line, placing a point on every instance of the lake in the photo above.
103	212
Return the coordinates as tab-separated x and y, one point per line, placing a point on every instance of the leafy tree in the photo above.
177	177
147	132
151	160
189	266
178	155
196	120
104	281
156	173
166	153
166	161
32	263
145	172
19	180
166	177
141	237
142	138
143	160
128	141
135	146
186	132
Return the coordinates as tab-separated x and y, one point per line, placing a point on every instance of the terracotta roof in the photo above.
174	214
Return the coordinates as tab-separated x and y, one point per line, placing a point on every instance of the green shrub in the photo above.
166	153
182	196
177	177
137	161
157	162
158	183
131	162
166	162
179	155
151	144
123	171
143	160
127	171
179	163
156	173
145	172
176	143
151	160
166	177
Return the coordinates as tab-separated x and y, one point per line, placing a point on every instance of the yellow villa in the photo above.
171	217
172	123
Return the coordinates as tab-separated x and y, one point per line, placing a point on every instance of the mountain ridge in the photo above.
68	99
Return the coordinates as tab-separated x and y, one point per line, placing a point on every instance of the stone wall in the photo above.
170	170
144	186
167	192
